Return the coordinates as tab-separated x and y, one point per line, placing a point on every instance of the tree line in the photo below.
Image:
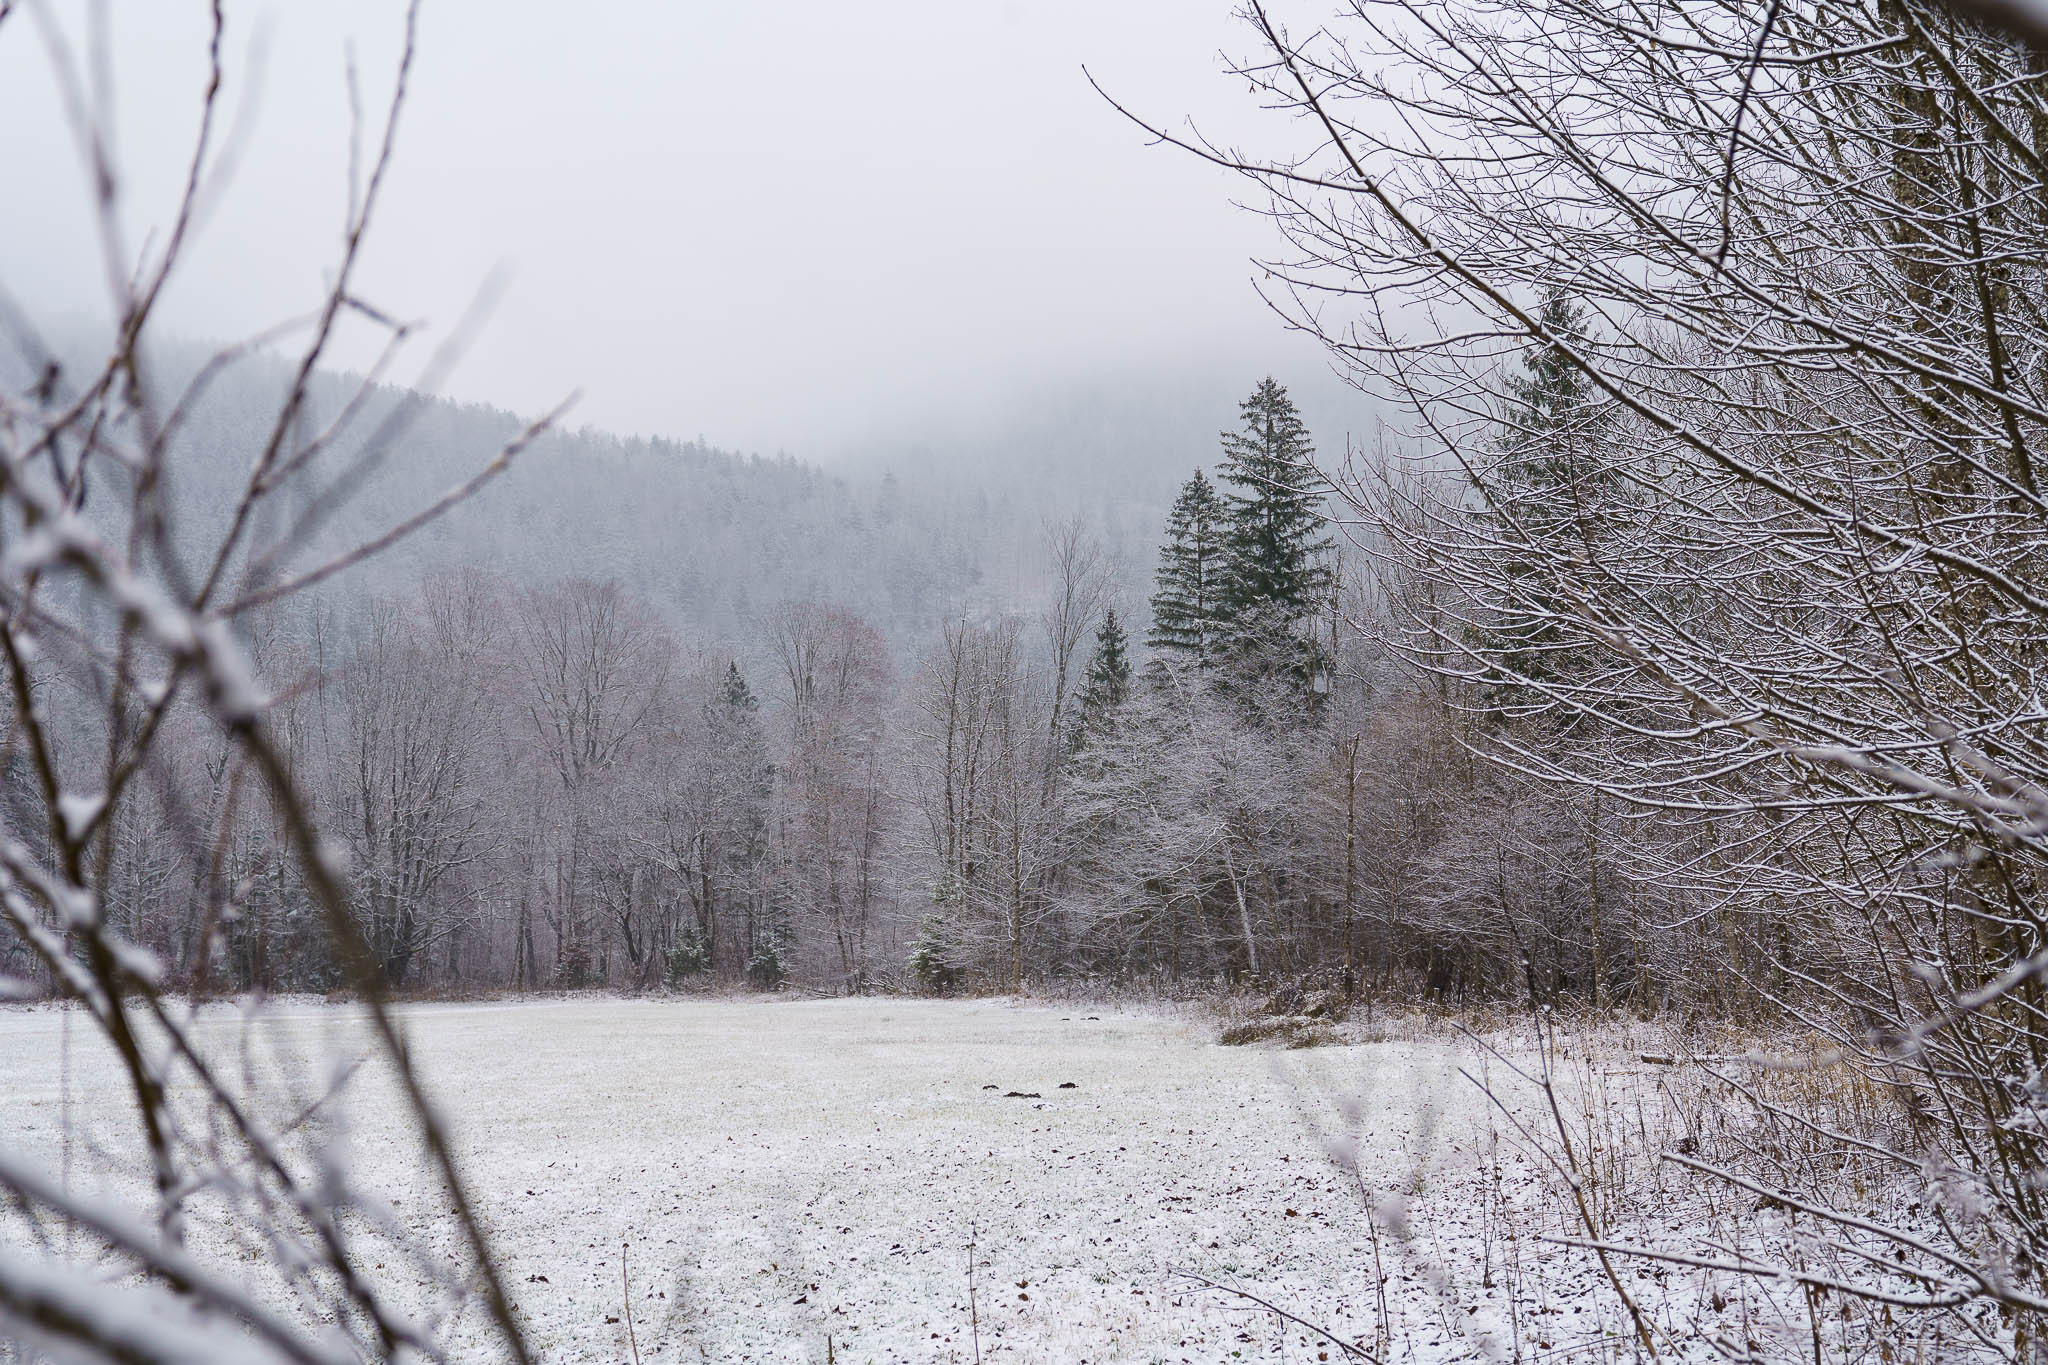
551	787
548	787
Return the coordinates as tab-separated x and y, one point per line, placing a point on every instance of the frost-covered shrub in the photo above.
1250	1031
765	968
689	957
1294	1030
930	965
573	966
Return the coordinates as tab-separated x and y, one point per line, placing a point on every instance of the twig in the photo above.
626	1292
973	1310
1351	1349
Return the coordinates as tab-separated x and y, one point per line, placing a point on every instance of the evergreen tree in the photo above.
1184	603
1275	570
1275	577
738	778
743	775
1550	388
931	956
1552	495
1108	683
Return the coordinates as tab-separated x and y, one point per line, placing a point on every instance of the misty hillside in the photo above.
711	538
909	528
1116	436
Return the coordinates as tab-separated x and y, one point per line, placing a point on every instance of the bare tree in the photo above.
979	781
420	707
836	671
113	625
596	666
1082	576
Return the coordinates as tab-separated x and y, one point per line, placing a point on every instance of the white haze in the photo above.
810	226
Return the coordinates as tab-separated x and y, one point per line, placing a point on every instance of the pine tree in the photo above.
1274	553
1108	684
1184	606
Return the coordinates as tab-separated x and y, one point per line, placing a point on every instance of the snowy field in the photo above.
780	1173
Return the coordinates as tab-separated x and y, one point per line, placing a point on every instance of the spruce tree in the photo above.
1184	602
740	778
1275	573
742	774
1549	427
1553	496
1108	683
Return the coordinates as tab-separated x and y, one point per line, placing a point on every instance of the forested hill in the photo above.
915	522
711	539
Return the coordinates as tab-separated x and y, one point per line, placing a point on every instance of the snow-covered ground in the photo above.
778	1173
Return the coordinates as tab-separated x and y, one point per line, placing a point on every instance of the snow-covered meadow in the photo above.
779	1174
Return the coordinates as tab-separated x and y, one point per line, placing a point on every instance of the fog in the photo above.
809	227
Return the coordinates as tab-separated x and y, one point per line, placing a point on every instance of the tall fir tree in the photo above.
1275	550
1551	425
1108	684
1553	495
1551	485
1184	601
743	774
740	777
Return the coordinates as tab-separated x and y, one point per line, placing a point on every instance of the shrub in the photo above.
765	968
930	966
690	957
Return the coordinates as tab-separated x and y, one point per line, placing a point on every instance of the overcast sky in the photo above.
776	225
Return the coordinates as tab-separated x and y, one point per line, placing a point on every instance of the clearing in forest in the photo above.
777	1173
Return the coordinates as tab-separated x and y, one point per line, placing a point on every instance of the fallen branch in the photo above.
1351	1349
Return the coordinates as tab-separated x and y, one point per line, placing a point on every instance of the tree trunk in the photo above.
1244	914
